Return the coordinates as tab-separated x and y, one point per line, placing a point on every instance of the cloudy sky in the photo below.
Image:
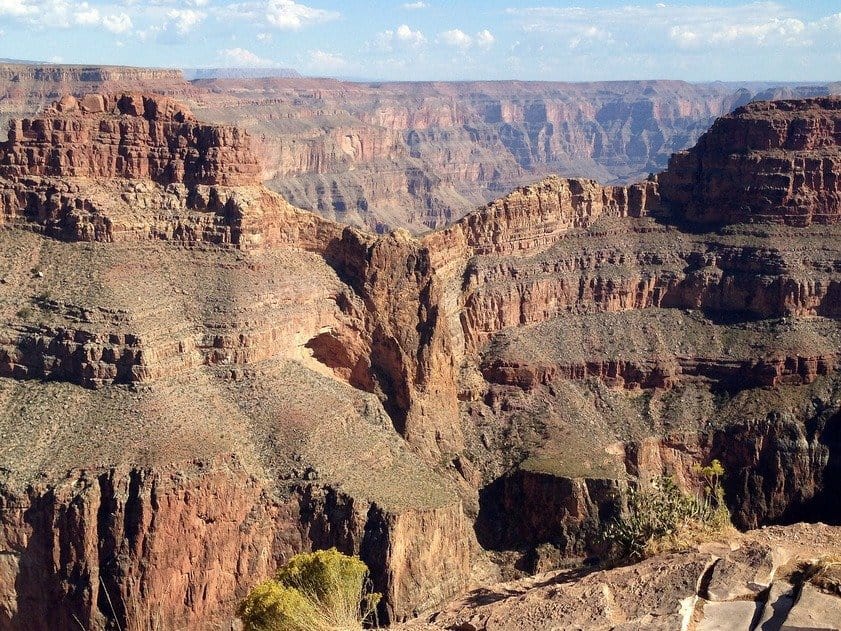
438	39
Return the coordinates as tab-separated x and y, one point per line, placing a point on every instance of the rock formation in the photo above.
779	578
127	136
205	444
766	162
185	357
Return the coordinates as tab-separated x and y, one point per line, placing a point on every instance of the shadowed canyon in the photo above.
199	379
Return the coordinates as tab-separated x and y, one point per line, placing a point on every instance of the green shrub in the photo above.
662	517
316	591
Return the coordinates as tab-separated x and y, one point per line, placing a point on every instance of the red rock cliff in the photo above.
128	136
766	162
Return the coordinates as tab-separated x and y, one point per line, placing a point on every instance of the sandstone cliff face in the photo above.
766	162
533	218
127	136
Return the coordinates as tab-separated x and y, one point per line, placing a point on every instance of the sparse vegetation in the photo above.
317	591
662	517
823	572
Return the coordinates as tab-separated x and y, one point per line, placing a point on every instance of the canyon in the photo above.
420	155
199	380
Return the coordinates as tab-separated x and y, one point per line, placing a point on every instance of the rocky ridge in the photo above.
777	578
490	390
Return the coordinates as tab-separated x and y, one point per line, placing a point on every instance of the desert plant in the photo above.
316	591
662	517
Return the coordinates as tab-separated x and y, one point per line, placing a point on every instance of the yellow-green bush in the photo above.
316	591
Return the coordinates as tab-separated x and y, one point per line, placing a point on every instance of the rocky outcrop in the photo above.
101	545
601	328
131	166
531	219
127	136
766	162
779	578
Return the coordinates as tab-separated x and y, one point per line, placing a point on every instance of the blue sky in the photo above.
441	40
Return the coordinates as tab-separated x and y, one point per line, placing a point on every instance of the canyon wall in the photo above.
633	338
421	155
164	317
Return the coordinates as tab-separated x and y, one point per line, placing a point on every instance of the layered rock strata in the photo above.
767	162
615	342
422	155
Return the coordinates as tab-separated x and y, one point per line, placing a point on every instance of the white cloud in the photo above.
326	62
183	20
789	31
289	15
403	36
264	37
457	39
65	14
591	36
87	15
117	23
243	58
757	24
485	39
16	7
414	6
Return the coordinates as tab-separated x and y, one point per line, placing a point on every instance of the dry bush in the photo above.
316	591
